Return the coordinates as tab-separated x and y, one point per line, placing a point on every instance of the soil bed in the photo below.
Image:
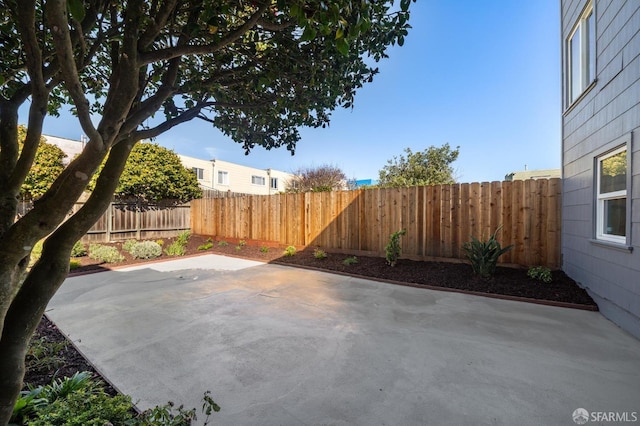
511	282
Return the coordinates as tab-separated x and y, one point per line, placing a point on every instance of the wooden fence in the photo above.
438	219
124	220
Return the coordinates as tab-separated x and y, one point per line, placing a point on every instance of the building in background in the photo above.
601	153
533	174
70	147
223	176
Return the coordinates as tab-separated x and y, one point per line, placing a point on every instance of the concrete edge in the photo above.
382	280
452	290
88	361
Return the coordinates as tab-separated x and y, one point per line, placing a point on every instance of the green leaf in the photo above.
404	5
342	46
308	34
76	8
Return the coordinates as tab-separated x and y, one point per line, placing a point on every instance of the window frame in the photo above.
225	178
260	178
273	180
621	145
199	172
585	24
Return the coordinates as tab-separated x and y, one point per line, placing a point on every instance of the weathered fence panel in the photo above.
439	219
123	221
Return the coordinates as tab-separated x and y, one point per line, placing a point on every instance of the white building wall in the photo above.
69	146
239	178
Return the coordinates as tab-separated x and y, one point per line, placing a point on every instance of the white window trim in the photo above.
199	172
586	80
601	198
257	177
225	180
271	182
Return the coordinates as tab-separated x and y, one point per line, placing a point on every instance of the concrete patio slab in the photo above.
277	345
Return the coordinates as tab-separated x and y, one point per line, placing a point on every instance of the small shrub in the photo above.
43	355
238	248
264	249
74	264
106	254
319	254
146	250
175	249
210	240
393	249
169	415
484	255
78	250
80	401
289	251
223	243
183	237
160	242
242	243
540	273
84	407
206	246
350	261
128	245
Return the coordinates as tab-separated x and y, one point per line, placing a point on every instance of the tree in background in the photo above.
324	178
155	173
429	167
47	165
133	70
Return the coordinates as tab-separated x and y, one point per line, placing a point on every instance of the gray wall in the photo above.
606	116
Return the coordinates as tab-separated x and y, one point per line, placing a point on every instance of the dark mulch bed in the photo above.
70	360
451	275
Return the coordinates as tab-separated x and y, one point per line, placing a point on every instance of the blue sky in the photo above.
482	75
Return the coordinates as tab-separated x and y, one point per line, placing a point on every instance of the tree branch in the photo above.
160	19
233	36
57	19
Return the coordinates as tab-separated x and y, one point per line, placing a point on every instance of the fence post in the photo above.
109	222
138	220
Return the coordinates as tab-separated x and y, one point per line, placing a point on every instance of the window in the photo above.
258	180
223	178
274	183
581	55
199	172
611	187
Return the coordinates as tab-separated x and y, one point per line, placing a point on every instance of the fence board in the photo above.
438	219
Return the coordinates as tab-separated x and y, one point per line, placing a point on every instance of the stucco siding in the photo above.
603	118
238	177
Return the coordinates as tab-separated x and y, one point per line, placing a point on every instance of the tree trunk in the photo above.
46	276
21	321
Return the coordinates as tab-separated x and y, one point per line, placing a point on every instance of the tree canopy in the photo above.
47	165
429	167
154	173
130	71
324	178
